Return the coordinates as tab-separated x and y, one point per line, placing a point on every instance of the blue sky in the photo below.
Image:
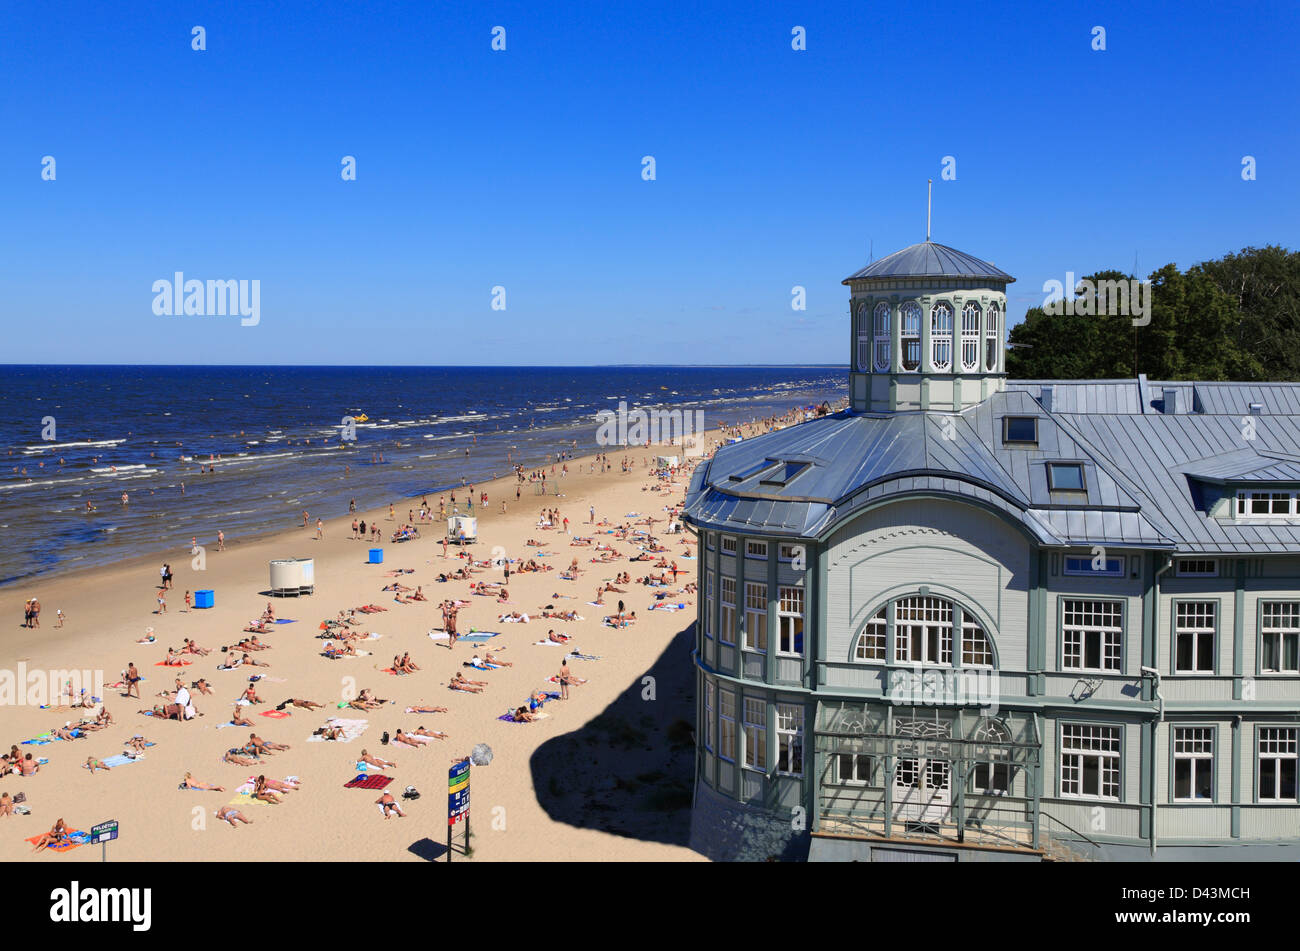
522	168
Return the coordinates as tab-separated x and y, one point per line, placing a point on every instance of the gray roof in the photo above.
1150	477
928	259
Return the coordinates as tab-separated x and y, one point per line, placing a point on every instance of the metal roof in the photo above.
1150	477
928	259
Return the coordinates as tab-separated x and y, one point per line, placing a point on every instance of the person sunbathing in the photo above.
458	682
400	737
232	661
408	666
189	782
284	785
492	659
252	644
304	704
232	815
425	708
245	659
250	695
389	806
260	791
375	761
513	616
6	804
256	627
396	666
262	746
173	659
558	638
29	766
58	832
137	743
170	711
193	648
93	764
419	595
523	715
434	734
65	732
237	720
328	732
339	650
366	700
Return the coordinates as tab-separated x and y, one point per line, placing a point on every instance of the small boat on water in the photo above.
360	418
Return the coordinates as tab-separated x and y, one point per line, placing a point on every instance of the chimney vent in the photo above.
1172	400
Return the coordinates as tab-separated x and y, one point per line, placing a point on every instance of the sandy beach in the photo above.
604	776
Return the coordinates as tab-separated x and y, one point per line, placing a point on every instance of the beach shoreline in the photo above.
623	797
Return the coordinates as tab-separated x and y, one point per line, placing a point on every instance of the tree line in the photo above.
1234	318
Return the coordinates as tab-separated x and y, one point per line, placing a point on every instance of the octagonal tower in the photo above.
927	330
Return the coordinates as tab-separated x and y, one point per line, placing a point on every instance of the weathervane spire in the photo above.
929	200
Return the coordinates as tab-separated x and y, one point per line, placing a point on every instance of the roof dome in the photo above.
928	259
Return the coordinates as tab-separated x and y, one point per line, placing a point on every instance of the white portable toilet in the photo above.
462	523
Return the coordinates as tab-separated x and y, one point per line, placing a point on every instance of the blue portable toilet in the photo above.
376	556
204	598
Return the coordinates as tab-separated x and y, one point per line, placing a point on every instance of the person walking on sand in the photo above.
221	541
60	617
320	530
162	604
132	681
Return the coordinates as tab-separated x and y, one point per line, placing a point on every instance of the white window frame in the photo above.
1183	568
970	336
789	737
1186	616
864	338
728	544
727	611
708	602
837	775
755	549
973	638
1275	503
1194	746
755	639
786	551
789	619
1279	621
1091	741
909	334
883	316
1081	566
874	640
991	338
934	617
1084	620
753	734
1279	745
727	724
941	326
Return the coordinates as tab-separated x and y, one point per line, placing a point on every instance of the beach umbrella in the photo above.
481	754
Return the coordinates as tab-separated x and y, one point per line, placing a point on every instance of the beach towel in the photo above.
546	644
121	759
479	636
222	725
351	730
483	666
73	839
43	740
163	663
364	781
276	714
286	620
510	717
586	656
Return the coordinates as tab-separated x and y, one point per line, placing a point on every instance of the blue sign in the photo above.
104	832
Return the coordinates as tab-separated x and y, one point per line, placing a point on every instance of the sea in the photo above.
246	450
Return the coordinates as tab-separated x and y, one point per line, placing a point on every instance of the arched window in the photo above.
992	340
883	341
909	327
970	337
864	339
941	336
925	633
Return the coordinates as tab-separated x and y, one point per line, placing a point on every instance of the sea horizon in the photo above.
84	433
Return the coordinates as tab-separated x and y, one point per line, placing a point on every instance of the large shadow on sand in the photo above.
628	770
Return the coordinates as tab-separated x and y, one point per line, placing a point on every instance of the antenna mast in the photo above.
929	201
